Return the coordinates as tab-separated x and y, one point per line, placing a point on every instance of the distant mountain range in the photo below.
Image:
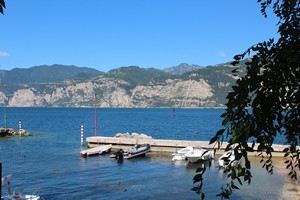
70	86
56	73
181	69
46	74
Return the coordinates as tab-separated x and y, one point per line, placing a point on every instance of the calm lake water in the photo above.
49	161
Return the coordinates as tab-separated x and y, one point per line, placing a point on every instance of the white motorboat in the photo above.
199	154
96	150
16	195
137	150
181	154
228	159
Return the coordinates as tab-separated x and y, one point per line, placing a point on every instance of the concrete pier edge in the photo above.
164	145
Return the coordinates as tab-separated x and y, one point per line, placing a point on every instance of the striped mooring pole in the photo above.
81	134
20	127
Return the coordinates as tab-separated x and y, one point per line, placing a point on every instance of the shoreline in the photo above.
290	188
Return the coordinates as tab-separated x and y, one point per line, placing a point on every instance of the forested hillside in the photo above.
132	86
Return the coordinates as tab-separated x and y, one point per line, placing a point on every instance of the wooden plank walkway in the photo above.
162	145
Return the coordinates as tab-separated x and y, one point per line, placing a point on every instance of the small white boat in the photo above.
199	154
181	154
96	150
21	197
137	150
228	159
16	195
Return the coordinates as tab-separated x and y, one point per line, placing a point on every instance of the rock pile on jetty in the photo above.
133	135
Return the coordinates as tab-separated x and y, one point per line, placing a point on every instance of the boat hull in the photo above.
25	197
228	159
181	154
137	151
200	155
96	150
179	157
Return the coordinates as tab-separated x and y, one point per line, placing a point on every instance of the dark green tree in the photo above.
265	102
2	5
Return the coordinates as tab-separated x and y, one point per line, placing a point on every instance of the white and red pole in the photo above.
20	127
81	134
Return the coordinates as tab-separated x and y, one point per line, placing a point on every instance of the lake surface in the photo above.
49	160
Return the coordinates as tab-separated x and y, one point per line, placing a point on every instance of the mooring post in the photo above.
20	127
81	134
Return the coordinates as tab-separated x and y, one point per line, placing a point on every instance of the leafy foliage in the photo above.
198	178
271	88
2	5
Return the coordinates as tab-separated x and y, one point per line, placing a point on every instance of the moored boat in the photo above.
229	159
199	155
181	154
21	197
119	155
96	150
137	150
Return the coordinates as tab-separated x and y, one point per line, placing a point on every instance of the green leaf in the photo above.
225	195
2	3
237	57
235	187
202	196
195	188
224	115
200	169
289	165
220	132
239	180
228	147
213	140
217	136
286	149
197	178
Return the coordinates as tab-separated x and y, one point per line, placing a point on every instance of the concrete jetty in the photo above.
162	145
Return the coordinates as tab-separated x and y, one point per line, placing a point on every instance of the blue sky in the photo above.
107	34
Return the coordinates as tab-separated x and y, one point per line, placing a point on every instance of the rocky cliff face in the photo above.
3	98
175	93
70	86
116	93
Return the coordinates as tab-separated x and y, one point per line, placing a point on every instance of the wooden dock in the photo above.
161	145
